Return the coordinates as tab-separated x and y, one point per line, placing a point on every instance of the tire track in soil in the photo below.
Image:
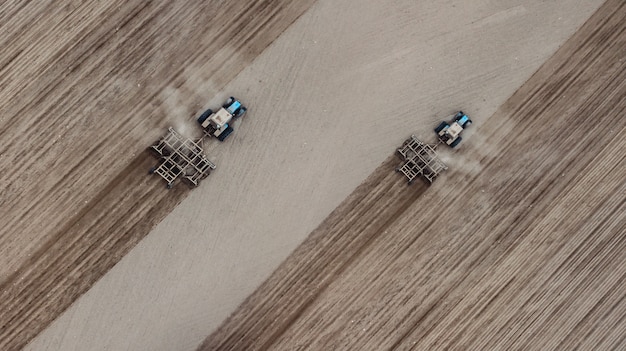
541	264
81	207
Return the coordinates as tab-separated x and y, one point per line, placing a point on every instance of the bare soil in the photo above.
81	99
525	251
86	86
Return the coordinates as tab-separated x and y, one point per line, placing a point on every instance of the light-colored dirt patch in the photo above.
85	89
328	102
528	254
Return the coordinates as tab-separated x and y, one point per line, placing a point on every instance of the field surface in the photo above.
528	252
88	85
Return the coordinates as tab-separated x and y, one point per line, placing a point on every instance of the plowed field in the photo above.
82	95
521	245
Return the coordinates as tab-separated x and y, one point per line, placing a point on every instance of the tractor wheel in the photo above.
440	127
151	170
228	102
467	124
458	116
204	116
456	142
241	112
225	133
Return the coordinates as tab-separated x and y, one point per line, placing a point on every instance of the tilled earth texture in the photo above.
527	251
88	85
80	84
329	100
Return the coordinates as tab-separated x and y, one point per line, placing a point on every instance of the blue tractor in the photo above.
219	124
451	133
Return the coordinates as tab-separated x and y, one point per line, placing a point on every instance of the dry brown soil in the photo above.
320	121
87	85
80	101
527	252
